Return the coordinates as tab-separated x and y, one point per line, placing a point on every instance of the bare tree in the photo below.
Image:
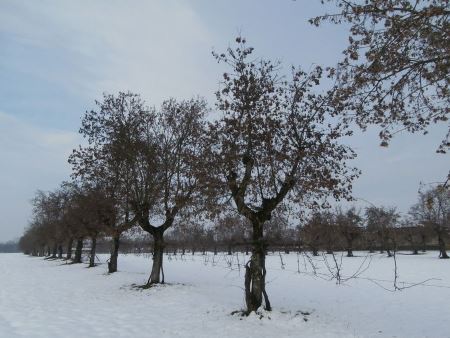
349	224
275	142
319	232
433	211
167	172
112	131
381	221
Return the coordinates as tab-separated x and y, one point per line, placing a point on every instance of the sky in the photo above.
57	57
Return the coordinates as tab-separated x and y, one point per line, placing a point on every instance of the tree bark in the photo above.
92	254
442	247
54	250
60	251
78	251
255	272
349	247
157	274
69	249
112	265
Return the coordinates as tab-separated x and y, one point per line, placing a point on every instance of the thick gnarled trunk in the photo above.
112	264
255	273
157	274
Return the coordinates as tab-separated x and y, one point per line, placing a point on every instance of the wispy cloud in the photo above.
152	47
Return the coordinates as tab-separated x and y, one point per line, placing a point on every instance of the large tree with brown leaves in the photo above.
276	142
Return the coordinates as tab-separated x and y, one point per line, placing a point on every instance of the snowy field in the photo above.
41	298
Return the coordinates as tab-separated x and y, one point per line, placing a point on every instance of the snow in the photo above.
44	298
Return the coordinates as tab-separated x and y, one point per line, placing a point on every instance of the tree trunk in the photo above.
60	251
255	272
349	247
92	254
157	274
54	250
424	243
69	249
442	248
112	264
78	251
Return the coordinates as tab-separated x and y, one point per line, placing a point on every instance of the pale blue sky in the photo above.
57	57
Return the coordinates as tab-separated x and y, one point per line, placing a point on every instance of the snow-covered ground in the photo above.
41	298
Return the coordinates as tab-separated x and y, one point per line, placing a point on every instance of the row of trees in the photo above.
376	228
275	148
276	144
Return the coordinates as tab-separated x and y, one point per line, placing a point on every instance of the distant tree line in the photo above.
374	229
9	247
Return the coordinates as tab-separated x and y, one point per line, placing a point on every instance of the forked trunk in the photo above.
112	264
69	249
92	254
255	273
78	251
157	274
